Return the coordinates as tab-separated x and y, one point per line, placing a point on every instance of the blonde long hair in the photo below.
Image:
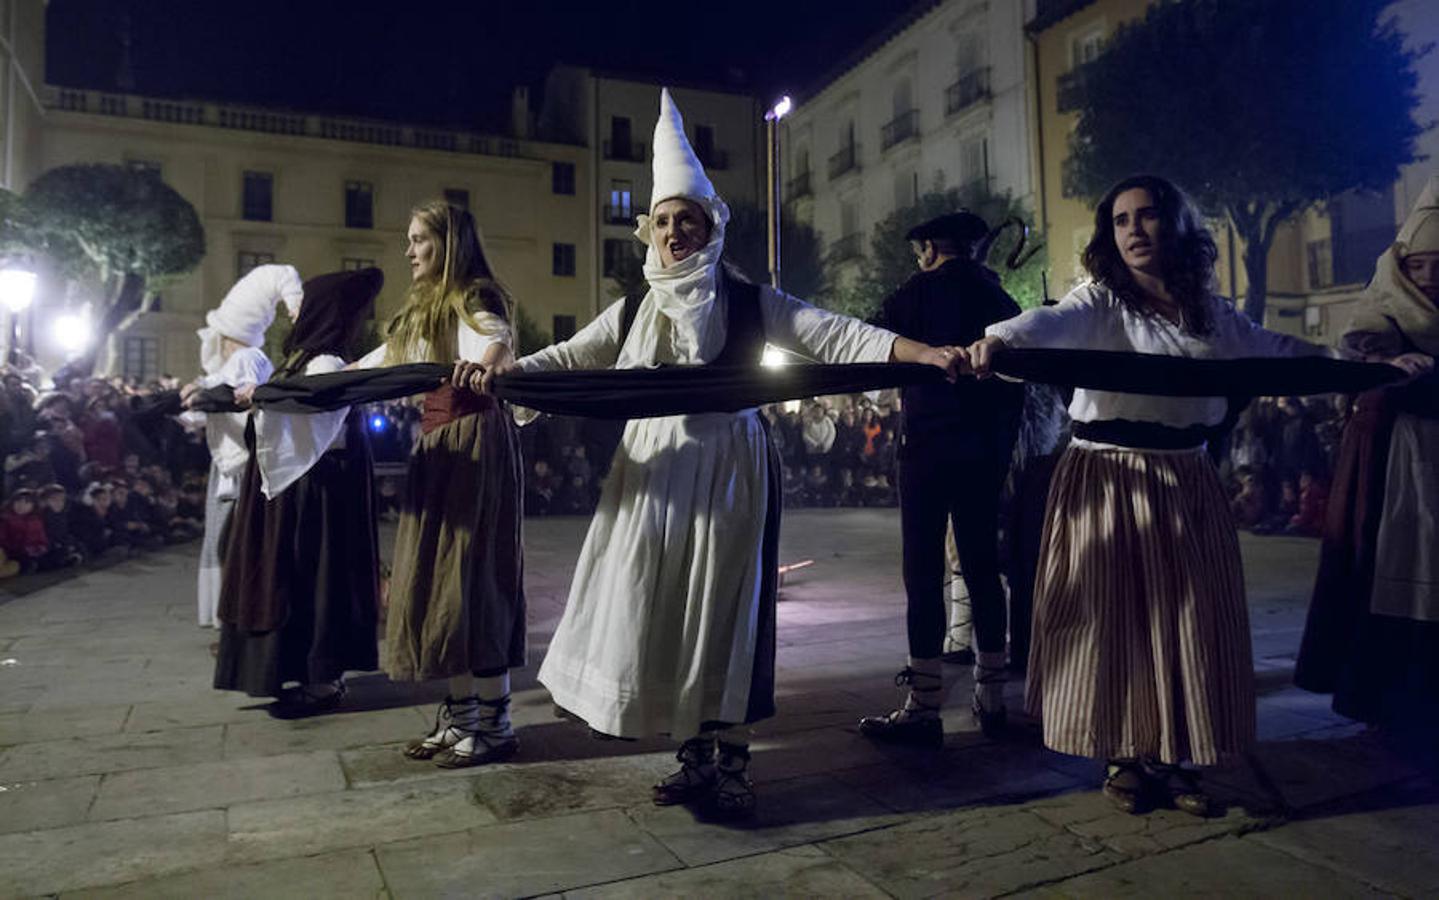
465	289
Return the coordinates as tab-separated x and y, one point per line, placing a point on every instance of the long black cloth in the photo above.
680	390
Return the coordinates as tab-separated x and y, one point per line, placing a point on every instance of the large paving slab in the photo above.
351	874
800	872
524	858
111	753
215	784
366	817
1385	838
52	803
101	853
980	852
1230	867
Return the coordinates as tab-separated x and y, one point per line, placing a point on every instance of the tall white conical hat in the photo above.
677	171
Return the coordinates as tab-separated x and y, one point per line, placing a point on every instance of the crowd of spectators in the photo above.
1279	460
837	451
88	475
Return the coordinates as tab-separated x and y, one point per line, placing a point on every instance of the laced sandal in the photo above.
733	792
445	734
1126	785
695	777
1181	787
992	722
917	723
493	740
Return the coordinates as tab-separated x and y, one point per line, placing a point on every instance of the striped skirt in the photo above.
1141	642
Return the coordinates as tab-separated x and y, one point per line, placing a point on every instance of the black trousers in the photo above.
934	490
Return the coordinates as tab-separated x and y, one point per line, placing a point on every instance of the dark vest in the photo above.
744	323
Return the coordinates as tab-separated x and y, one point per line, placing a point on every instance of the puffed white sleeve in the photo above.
372	360
819	334
1076	322
1241	336
596	346
287	446
472	344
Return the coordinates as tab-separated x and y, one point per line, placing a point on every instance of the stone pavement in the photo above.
123	774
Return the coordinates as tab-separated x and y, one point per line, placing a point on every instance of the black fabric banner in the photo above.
680	390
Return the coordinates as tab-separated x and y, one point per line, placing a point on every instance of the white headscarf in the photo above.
682	318
1392	301
247	311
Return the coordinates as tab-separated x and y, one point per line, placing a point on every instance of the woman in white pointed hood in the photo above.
230	354
1372	638
670	624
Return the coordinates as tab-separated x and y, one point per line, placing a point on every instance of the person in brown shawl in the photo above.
299	596
1372	637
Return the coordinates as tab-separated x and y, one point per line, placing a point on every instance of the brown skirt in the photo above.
1141	642
457	603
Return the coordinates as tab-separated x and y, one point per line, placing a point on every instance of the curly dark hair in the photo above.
1186	252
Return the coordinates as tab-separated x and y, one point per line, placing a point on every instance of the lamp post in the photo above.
17	290
772	182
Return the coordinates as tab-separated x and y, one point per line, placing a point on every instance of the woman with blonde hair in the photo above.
457	607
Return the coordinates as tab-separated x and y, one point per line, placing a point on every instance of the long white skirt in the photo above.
1406	569
212	545
659	633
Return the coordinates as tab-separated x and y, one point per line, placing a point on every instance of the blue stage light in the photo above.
378	423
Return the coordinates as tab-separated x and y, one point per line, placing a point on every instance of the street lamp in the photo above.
771	118
17	290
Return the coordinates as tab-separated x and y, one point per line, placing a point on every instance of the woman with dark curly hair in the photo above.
1141	650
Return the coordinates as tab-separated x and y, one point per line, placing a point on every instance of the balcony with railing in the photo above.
619	214
241	118
846	248
625	151
901	128
971	88
846	160
797	187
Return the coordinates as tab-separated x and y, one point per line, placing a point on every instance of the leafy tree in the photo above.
890	260
802	271
1260	109
124	228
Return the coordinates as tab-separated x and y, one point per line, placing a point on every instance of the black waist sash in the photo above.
1143	435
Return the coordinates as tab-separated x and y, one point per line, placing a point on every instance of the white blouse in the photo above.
471	343
288	446
789	323
1091	317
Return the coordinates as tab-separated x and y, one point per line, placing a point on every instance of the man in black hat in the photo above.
954	455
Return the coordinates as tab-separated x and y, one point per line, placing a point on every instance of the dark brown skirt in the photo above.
299	596
457	601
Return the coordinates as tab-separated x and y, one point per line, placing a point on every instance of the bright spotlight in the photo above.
17	289
773	358
780	109
72	332
378	423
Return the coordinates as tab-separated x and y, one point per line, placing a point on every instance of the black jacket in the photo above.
952	305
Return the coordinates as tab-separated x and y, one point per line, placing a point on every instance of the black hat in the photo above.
962	227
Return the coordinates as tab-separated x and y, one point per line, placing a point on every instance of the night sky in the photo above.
443	63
